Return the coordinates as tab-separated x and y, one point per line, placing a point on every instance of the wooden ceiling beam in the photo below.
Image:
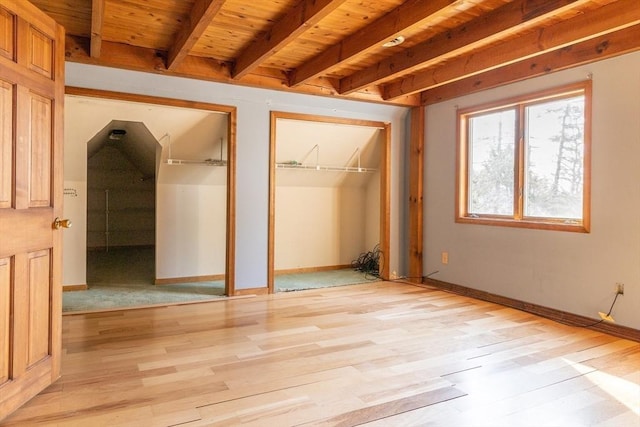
305	15
606	19
488	28
120	55
201	15
375	34
97	21
597	49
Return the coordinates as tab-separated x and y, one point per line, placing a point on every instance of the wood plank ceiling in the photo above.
335	47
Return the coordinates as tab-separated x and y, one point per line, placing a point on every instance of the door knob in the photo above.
61	223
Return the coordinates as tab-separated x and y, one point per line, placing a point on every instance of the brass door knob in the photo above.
61	223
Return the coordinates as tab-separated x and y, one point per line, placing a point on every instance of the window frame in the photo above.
518	219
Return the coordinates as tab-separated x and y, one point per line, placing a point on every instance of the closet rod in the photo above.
325	168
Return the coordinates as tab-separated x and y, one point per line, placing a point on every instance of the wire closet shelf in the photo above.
293	164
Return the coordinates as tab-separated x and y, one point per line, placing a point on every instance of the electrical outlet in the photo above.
620	288
445	258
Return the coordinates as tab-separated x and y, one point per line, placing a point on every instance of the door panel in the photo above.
31	102
5	313
39	291
6	143
41	58
40	159
7	24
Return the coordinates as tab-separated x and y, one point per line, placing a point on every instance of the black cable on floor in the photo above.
369	263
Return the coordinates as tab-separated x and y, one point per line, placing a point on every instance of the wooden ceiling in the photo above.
334	47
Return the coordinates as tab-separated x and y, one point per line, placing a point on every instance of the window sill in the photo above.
577	227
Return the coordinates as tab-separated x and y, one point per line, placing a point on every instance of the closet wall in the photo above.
322	226
325	218
120	202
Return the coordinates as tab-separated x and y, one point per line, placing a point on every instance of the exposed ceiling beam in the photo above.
120	55
380	31
305	15
597	49
97	20
606	19
488	28
201	15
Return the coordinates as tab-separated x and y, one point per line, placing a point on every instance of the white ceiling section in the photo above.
336	147
192	135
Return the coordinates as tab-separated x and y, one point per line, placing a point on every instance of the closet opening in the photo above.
150	188
121	204
329	202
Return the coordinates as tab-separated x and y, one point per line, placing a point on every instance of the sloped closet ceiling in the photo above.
336	146
205	139
133	140
188	133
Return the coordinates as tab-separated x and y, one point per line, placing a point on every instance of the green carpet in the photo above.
112	296
320	279
124	277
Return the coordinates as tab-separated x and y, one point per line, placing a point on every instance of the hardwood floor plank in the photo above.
385	410
378	354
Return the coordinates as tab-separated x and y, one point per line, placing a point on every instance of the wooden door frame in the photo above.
231	157
385	185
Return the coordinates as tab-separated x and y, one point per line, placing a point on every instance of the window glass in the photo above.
491	157
554	159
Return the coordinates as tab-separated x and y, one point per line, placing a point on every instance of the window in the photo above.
525	162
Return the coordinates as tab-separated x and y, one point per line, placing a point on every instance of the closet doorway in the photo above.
121	204
156	205
329	200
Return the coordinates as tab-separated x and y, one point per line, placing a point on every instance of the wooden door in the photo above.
31	98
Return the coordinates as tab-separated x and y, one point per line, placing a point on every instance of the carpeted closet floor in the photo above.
124	278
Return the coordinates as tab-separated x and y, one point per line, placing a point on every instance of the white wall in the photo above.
324	226
567	271
74	239
307	227
353	217
253	108
372	207
191	232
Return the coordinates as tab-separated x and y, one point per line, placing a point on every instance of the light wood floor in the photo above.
379	354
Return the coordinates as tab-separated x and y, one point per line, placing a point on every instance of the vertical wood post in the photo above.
416	180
